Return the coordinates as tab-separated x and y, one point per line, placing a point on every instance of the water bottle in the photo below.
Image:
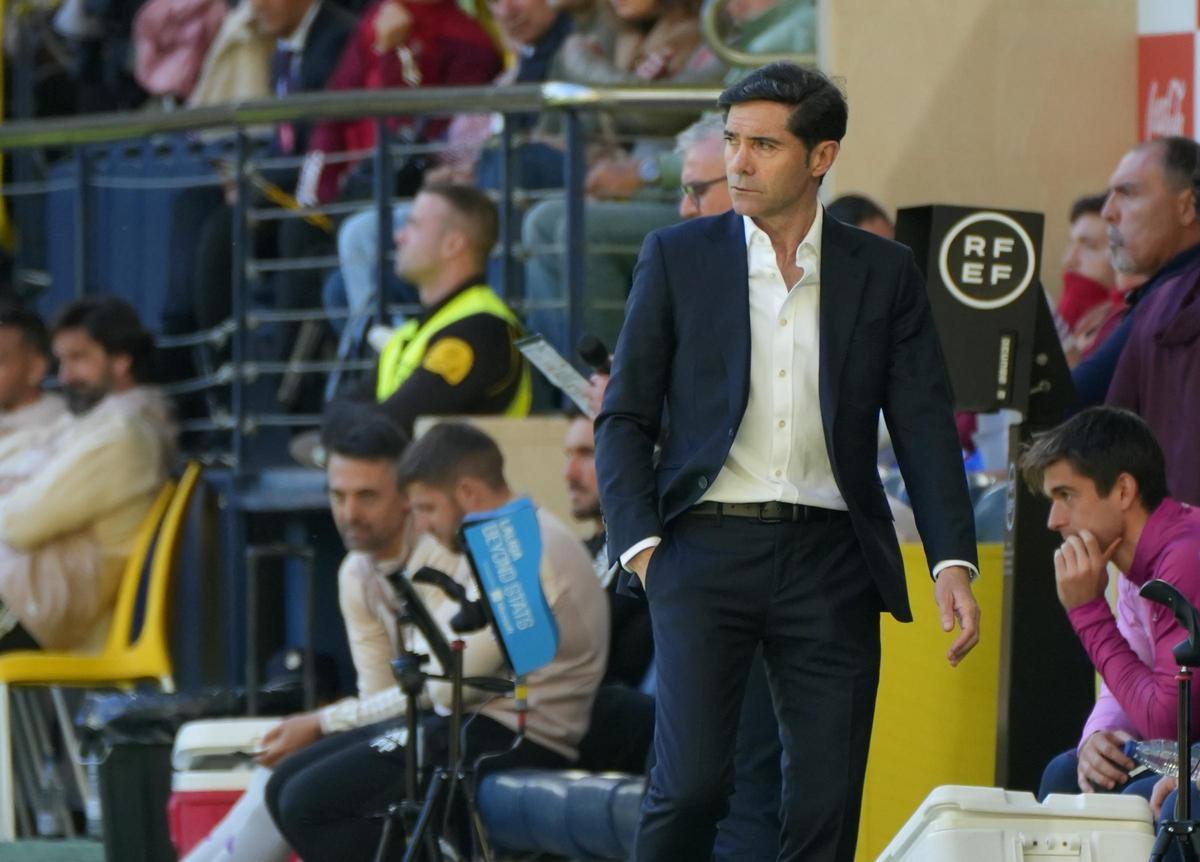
51	800
1161	756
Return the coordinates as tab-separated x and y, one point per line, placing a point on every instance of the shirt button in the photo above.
782	423
783	372
778	473
783	321
703	482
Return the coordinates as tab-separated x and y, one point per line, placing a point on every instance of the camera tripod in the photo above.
451	781
1181	831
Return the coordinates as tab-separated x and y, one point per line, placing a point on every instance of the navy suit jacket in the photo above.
686	341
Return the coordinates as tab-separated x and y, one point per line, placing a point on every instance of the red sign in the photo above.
1166	78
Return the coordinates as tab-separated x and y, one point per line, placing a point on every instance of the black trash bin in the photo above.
135	785
131	736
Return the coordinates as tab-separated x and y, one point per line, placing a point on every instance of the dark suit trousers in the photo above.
719	587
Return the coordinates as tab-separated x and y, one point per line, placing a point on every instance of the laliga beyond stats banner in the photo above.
505	547
1168	46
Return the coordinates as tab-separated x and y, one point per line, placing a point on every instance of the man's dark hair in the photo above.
1087	205
478	214
114	325
818	107
29	325
362	432
1101	443
856	210
1180	163
451	451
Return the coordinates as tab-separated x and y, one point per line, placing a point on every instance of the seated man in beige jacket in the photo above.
371	512
319	797
76	491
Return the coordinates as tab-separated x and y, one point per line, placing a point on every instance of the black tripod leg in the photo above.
421	837
1184	835
478	833
390	818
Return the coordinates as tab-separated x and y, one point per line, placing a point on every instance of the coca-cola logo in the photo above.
1164	110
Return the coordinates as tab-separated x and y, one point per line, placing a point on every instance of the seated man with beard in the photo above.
78	489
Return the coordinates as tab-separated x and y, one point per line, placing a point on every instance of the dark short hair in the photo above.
363	432
475	208
1101	443
1180	163
819	110
451	451
1087	205
856	210
31	328
114	325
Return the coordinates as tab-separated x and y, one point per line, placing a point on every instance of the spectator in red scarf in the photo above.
1089	291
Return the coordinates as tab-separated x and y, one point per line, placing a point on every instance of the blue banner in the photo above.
505	546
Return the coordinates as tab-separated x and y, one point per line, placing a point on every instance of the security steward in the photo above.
457	357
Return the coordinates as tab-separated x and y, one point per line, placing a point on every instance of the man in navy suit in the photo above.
774	337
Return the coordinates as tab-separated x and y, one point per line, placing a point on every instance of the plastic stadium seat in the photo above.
565	813
136	646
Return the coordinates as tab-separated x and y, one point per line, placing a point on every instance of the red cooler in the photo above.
213	762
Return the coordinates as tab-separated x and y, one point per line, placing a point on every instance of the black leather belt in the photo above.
774	512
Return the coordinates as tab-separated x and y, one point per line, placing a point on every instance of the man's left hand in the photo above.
957	602
1081	569
291	734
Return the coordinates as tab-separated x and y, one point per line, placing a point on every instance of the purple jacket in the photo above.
1158	376
1169	549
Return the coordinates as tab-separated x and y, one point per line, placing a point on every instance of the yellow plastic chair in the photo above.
132	653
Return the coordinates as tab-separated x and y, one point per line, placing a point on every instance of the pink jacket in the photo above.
1145	691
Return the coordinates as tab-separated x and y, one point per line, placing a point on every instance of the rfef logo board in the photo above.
981	269
987	260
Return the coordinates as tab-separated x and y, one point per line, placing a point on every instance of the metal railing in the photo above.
80	133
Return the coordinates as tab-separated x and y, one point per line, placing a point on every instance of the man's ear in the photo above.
1127	491
822	157
122	366
466	492
1185	203
454	243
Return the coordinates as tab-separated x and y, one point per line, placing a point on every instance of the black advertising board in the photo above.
982	273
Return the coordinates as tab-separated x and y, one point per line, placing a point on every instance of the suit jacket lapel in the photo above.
726	272
843	277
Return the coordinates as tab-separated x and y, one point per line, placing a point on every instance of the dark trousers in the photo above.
1061	776
718	588
324	798
751	828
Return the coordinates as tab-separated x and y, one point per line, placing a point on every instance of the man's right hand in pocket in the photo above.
640	563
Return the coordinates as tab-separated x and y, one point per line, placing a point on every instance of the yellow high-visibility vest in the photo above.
405	350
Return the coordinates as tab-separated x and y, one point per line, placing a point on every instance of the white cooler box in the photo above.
213	762
989	824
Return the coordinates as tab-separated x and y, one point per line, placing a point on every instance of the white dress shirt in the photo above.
779	452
